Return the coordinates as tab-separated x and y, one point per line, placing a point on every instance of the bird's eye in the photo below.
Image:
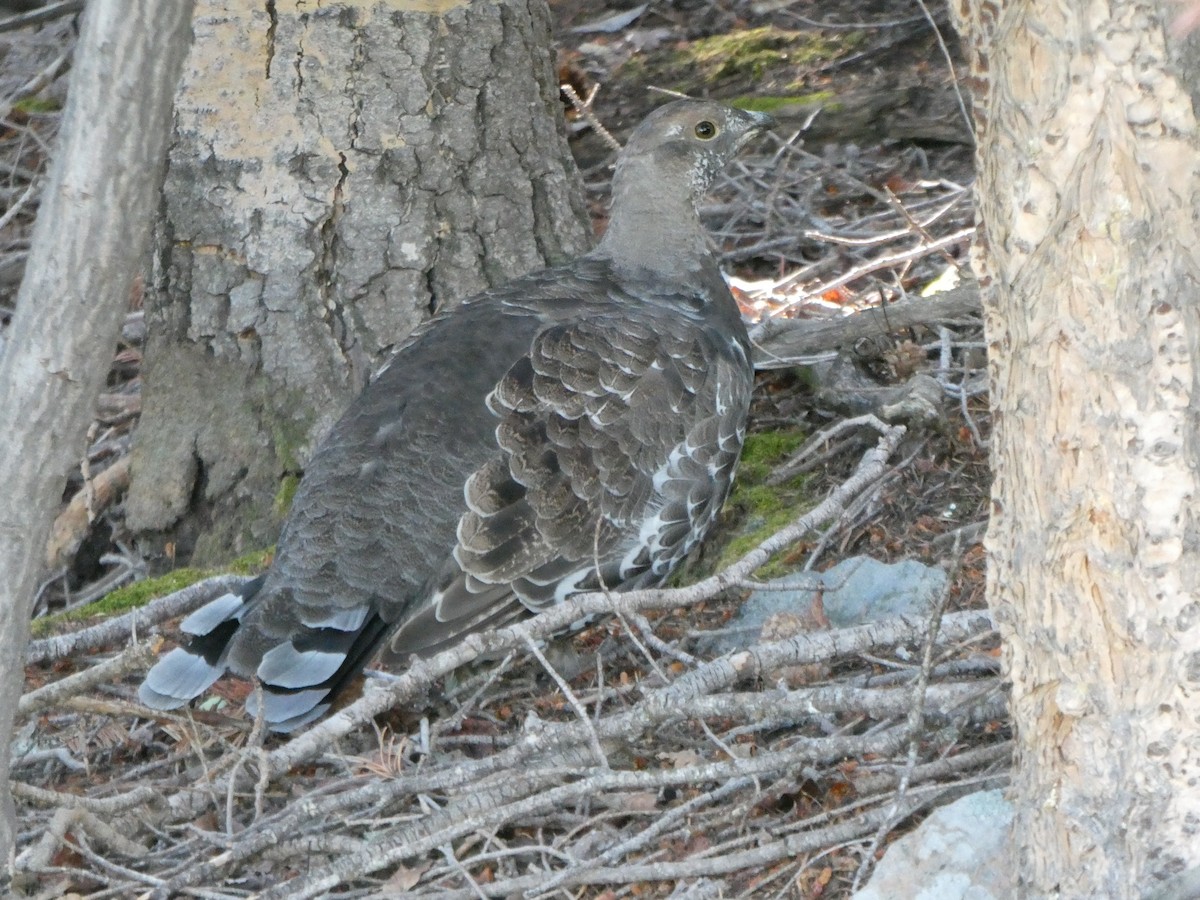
706	130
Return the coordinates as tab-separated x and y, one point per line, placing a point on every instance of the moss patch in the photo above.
767	60
253	563
753	52
286	493
34	105
761	453
775	104
756	510
759	58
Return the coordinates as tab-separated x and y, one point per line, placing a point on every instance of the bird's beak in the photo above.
759	122
762	121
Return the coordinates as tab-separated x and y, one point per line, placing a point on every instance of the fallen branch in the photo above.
135	623
72	524
136	657
781	342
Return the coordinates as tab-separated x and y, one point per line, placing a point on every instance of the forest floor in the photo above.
630	761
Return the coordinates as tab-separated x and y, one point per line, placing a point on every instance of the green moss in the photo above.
635	68
759	509
34	105
754	510
252	563
761	453
286	493
775	61
138	594
766	513
290	441
289	438
750	52
775	104
753	52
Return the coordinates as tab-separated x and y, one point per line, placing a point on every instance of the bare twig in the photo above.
47	13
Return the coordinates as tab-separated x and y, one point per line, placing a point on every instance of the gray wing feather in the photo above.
615	453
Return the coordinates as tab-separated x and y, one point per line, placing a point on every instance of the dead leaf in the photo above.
404	879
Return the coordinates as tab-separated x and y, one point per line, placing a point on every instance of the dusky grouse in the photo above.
576	428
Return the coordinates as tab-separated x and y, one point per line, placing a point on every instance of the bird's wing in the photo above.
616	444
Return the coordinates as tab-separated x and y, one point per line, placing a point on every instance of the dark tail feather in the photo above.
186	672
291	695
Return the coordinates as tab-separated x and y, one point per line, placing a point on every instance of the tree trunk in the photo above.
88	246
1088	159
338	172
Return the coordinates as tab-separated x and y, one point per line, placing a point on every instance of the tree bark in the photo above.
88	246
1088	177
338	172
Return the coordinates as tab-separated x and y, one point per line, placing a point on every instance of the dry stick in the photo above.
885	261
584	718
660	825
778	341
954	80
916	721
11	213
761	855
887	237
119	843
664	705
524	797
39	855
134	657
647	632
918	227
805	649
45	14
796	463
105	806
584	108
990	755
877	703
254	741
116	630
39	81
98	494
858	505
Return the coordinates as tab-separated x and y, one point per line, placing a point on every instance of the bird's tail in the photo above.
300	676
187	672
290	699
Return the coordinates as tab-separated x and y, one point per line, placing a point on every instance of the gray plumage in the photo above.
576	428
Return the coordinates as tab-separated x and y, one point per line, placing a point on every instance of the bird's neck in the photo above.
654	225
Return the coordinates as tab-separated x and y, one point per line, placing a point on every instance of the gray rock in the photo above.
861	589
855	591
958	853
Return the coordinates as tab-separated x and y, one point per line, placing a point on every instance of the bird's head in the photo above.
687	141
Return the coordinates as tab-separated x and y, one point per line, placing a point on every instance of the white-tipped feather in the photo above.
287	712
212	614
285	666
338	618
177	678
